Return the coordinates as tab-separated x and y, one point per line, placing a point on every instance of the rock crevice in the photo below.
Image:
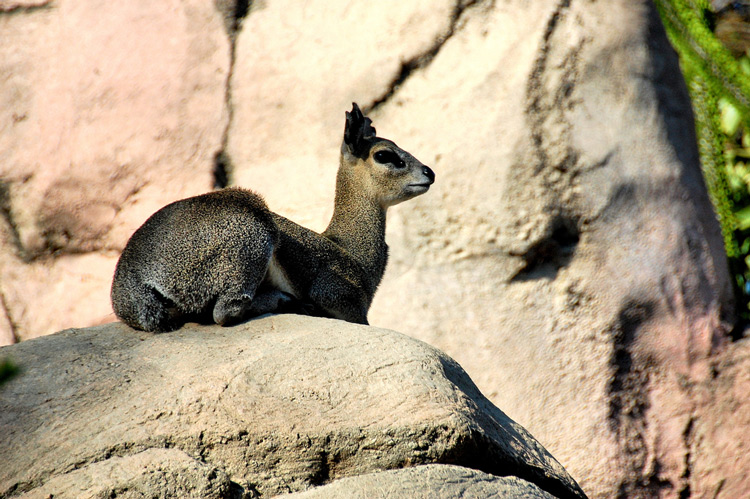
422	60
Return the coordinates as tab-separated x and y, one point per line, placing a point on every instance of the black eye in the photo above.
386	157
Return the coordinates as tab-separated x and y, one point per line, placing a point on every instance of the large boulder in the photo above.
569	227
108	111
279	404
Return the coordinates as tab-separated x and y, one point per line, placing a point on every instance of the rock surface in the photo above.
278	404
567	255
108	112
716	431
149	473
428	481
569	227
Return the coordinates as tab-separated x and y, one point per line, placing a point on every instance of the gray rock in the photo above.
150	473
279	404
429	481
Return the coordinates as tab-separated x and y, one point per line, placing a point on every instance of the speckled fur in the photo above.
225	256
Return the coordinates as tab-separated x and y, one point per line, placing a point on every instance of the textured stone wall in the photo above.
567	255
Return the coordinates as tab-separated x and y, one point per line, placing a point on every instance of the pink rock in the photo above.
108	111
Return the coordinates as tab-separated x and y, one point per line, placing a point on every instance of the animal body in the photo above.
226	257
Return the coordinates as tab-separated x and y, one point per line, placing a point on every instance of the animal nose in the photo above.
428	173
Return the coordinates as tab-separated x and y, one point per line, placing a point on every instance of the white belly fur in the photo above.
278	279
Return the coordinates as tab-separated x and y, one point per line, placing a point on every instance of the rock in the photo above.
432	480
108	111
279	404
716	432
567	255
150	473
569	228
11	5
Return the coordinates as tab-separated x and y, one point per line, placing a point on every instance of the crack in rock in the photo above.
422	60
629	404
555	164
687	440
233	12
6	309
548	255
24	6
222	164
6	213
545	106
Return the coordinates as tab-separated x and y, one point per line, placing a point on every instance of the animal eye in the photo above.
388	157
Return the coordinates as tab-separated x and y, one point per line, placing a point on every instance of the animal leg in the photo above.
274	301
340	300
153	312
232	308
237	302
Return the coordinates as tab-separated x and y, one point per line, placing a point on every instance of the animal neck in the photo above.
358	226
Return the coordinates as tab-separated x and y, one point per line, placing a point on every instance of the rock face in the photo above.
428	481
569	229
149	473
567	255
278	404
108	112
716	432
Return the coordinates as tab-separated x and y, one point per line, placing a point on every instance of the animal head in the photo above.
381	169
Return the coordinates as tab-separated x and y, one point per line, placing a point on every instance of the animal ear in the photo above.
358	133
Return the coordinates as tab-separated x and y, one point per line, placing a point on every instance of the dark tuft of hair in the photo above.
359	134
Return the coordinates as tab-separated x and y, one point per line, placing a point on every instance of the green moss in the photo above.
720	91
8	370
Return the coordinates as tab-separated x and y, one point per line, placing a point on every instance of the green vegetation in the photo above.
719	84
7	370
